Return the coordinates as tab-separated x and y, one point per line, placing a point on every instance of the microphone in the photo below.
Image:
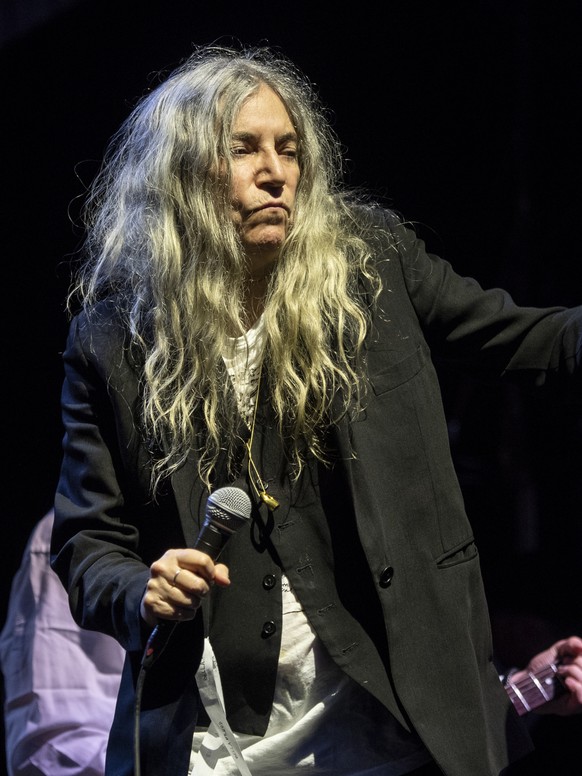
227	510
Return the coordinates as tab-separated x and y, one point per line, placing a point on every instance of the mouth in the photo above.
273	206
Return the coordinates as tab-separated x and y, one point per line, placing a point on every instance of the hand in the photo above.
178	582
568	654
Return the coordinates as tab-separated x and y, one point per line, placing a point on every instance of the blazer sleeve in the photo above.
97	546
484	330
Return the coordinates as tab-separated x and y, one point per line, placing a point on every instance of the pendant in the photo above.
269	500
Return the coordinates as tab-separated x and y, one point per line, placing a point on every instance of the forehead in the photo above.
263	109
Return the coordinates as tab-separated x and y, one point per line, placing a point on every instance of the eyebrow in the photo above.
248	136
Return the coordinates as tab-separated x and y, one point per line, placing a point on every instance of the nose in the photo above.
271	169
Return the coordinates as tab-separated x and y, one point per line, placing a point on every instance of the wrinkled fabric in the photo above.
60	682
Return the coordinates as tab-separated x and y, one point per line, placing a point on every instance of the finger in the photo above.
221	575
572	670
570	647
189	588
195	561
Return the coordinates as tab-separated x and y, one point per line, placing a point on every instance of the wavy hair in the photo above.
159	237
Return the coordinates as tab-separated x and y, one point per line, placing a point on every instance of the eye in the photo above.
239	150
289	151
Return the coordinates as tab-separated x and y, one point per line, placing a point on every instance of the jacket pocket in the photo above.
397	373
462	553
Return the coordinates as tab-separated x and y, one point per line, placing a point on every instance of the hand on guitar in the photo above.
551	683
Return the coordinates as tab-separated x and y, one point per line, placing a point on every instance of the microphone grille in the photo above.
232	500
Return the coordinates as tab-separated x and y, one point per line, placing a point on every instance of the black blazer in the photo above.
399	506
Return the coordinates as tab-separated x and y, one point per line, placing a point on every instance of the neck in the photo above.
256	293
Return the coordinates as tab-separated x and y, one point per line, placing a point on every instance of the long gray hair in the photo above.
161	238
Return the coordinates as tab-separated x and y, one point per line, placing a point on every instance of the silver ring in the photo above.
176	577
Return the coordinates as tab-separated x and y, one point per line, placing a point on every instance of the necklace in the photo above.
244	363
255	479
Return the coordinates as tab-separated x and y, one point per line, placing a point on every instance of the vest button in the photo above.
386	576
269	581
269	629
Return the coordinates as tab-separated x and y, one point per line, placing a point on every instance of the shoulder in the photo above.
101	329
395	247
100	338
371	217
385	230
40	538
106	318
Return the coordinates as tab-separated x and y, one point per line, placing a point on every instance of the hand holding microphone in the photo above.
227	510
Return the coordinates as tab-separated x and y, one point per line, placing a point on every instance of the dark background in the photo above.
464	116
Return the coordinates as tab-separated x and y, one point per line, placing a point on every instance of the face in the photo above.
265	174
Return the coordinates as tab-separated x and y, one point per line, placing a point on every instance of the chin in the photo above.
268	247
